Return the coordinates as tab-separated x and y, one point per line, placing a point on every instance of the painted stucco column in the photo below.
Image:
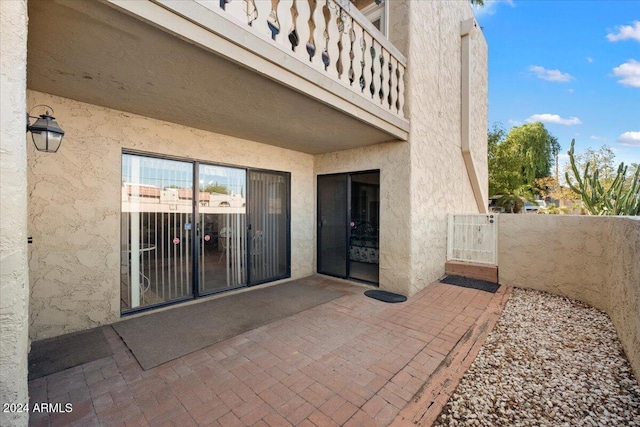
14	276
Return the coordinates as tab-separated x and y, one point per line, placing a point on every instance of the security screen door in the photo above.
332	224
268	228
240	235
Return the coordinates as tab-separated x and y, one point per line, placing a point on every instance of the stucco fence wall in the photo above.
75	203
590	259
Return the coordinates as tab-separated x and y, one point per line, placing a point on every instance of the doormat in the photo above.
385	296
56	354
466	282
160	337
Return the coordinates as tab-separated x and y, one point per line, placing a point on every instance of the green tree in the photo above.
599	197
518	158
217	188
602	160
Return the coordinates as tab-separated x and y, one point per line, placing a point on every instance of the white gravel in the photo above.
549	361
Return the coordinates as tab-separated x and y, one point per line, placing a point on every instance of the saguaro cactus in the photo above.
616	199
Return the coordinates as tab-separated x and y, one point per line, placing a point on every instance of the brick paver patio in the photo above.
353	361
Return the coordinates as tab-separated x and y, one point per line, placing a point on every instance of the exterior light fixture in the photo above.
45	132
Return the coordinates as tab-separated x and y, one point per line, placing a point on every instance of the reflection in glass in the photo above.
222	215
232	247
155	231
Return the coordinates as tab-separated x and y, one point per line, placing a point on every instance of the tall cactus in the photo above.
598	200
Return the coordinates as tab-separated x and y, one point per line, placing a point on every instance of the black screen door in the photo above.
333	194
268	226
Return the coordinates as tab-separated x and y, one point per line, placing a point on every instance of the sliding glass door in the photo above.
180	241
156	244
222	228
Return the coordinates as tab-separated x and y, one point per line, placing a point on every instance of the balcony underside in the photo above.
95	53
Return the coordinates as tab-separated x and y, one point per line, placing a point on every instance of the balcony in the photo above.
311	76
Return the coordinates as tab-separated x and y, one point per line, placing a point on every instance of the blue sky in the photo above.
574	65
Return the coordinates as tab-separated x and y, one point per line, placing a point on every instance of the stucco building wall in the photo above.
14	276
439	180
590	259
395	234
75	197
426	178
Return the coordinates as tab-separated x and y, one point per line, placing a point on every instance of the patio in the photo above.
353	361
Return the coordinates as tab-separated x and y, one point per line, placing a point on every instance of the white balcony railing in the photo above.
332	36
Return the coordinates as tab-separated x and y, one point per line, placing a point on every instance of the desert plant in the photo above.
555	210
616	198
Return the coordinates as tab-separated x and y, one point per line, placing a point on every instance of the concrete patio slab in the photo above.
354	361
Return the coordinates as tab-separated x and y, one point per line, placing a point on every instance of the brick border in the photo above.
428	402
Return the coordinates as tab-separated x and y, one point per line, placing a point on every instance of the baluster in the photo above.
366	56
286	23
393	89
263	7
356	52
384	70
319	36
375	77
273	20
302	28
400	90
251	13
236	9
333	37
344	61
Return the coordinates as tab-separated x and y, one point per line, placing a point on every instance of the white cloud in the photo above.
629	73
554	118
550	75
490	7
513	122
630	139
626	32
598	138
570	90
563	158
589	59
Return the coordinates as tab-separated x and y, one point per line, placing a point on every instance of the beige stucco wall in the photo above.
395	234
425	179
14	274
439	180
590	259
74	206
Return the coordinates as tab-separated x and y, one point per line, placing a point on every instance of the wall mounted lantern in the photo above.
45	132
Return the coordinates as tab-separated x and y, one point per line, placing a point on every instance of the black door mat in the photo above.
385	296
56	354
466	282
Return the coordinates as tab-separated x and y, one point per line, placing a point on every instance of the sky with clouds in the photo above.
572	65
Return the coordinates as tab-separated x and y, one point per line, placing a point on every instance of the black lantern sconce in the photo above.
45	132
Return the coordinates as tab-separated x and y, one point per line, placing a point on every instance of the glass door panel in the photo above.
332	224
156	230
268	229
364	224
222	228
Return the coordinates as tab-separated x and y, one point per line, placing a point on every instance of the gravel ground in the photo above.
549	361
